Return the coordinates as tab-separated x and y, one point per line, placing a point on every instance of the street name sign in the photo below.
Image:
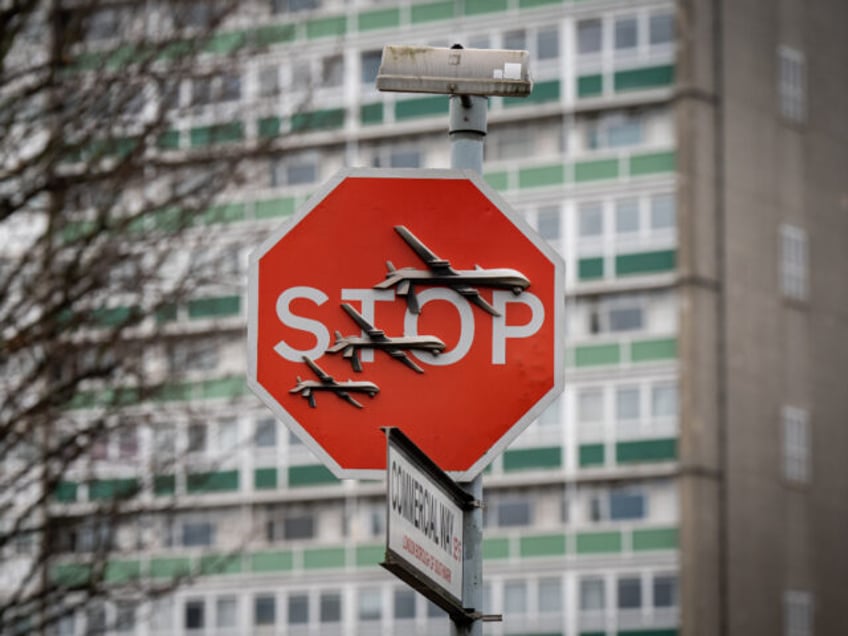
424	529
410	298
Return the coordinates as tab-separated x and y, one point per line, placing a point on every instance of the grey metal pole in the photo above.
468	119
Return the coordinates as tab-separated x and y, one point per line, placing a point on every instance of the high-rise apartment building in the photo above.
688	161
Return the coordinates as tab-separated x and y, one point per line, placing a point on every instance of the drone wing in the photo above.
401	356
325	377
347	398
473	296
367	327
437	265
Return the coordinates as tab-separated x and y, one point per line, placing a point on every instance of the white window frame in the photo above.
798	607
796	445
794	262
792	83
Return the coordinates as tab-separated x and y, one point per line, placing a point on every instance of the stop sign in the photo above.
408	298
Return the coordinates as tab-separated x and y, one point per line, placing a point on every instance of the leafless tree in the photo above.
104	234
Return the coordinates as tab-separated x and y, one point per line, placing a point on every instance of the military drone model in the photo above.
326	382
377	339
440	272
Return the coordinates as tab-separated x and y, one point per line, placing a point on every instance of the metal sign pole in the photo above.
468	118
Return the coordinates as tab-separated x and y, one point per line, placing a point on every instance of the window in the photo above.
791	83
626	504
796	445
515	40
515	598
197	438
370	604
330	607
332	70
226	611
294	170
510	512
548	222
266	433
223	88
623	130
95	619
124	617
627	403
405	159
662	211
661	29
590	219
626	33
299	527
665	590
793	262
589	36
164	442
128	442
590	405
264	610
629	592
627	215
592	597
550	416
479	42
550	596
370	63
298	606
194	614
193	355
404	603
162	614
664	401
198	533
269	81
797	613
547	44
513	142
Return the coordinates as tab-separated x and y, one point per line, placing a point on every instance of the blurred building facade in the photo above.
687	160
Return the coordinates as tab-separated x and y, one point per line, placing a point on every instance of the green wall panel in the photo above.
169	140
542	92
370	114
590	85
370	555
650	350
225	42
422	107
265	478
164	485
432	11
216	134
647	632
643	78
595	170
655	539
214	307
530	458
646	450
310	475
275	34
593	355
71	574
270	208
645	262
652	163
223	388
542	545
590	268
100	489
318	558
591	455
328	119
219	481
271	561
530	4
498	180
326	27
226	213
218	564
66	491
122	571
378	19
170	567
539	176
476	7
496	548
598	542
269	127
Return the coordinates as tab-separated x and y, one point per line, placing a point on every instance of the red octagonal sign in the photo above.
408	298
